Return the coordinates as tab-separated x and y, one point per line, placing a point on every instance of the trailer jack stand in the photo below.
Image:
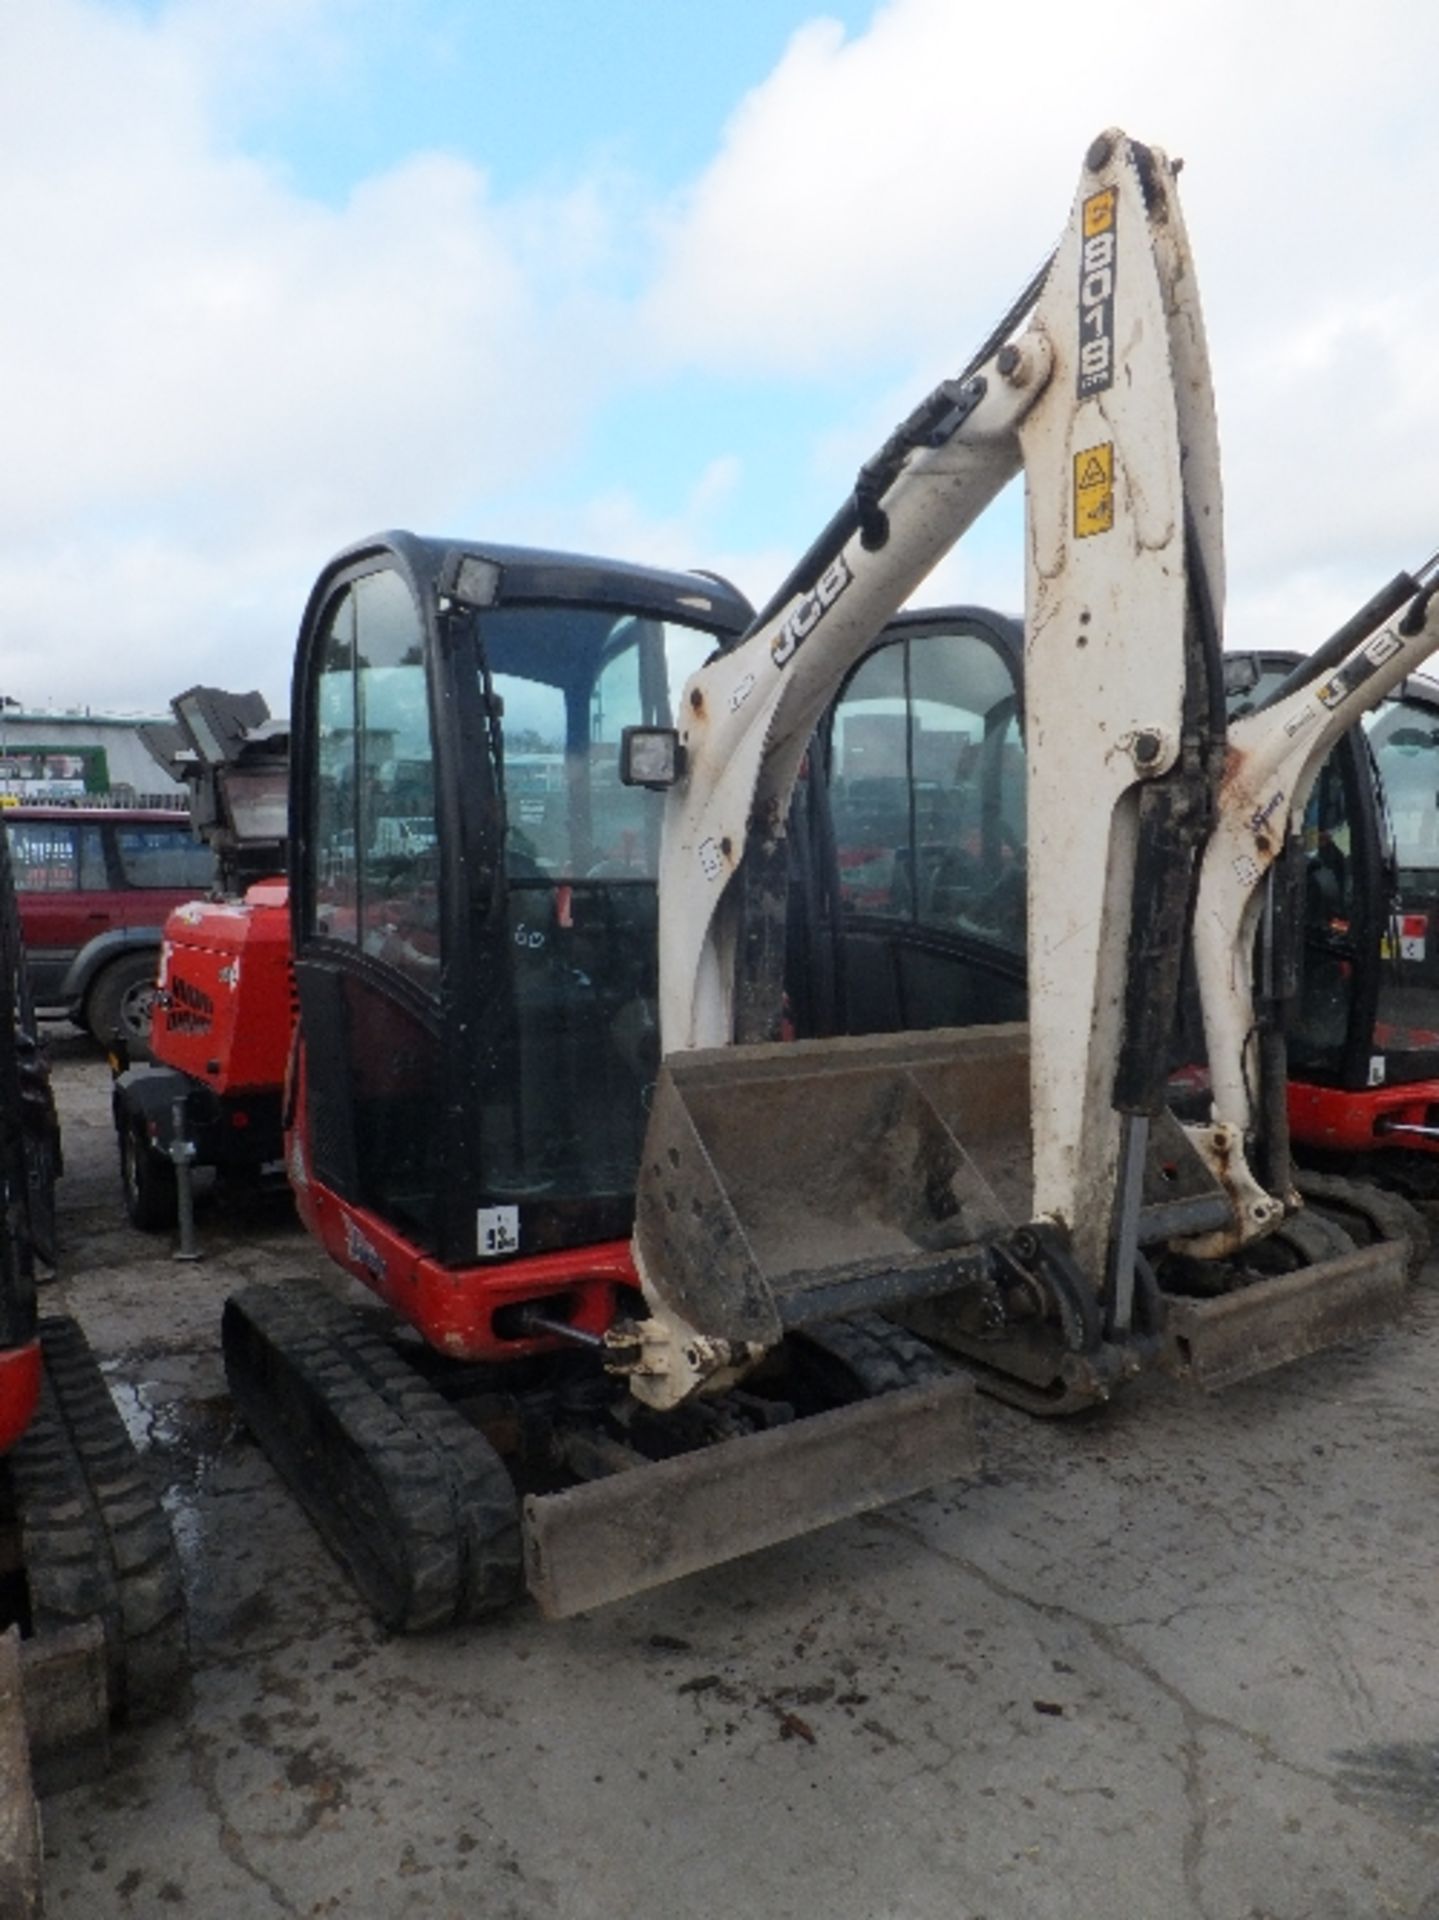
182	1155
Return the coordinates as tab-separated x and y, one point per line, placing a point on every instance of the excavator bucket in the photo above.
786	1187
788	1183
791	1183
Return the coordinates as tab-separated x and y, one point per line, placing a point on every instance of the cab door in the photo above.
366	909
1403	737
921	772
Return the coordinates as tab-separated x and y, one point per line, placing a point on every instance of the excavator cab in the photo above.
474	924
1365	1017
1403	741
473	907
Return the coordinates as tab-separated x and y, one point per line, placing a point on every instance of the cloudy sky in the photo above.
651	279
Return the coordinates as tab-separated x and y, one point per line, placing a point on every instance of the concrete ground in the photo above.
1177	1661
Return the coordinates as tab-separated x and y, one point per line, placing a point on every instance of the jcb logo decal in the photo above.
1098	265
810	611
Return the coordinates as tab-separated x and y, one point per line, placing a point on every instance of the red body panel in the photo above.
20	1371
454	1308
1363	1122
225	1008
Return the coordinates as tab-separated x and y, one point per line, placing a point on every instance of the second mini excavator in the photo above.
912	833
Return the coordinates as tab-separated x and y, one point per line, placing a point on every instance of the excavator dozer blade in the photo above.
1263	1325
662	1520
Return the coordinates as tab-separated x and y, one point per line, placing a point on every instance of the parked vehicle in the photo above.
95	886
222	1013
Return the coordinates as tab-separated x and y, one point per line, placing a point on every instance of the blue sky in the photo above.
543	89
651	280
541	96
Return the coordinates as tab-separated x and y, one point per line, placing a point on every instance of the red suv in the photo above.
95	886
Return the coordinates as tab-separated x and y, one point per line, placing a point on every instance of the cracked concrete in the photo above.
1176	1661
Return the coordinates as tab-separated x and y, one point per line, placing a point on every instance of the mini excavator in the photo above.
539	894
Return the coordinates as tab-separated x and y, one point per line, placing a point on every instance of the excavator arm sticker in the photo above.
1099	264
1339	686
1094	490
498	1232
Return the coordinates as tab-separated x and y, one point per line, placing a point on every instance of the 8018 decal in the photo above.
1098	266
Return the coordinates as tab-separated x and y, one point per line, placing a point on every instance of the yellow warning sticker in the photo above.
1099	212
1094	490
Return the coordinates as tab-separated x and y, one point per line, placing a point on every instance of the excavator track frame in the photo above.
407	1495
98	1552
420	1509
1368	1211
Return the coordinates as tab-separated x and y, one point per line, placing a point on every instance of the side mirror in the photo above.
651	757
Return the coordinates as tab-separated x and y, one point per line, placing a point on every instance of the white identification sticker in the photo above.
499	1231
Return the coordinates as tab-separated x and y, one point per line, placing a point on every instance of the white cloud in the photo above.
892	188
617	522
213	381
884	195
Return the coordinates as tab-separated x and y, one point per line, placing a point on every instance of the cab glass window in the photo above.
577	1055
1319	1020
1404	740
1404	737
569	816
927	788
373	842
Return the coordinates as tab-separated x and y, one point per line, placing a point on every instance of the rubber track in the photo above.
95	1539
1313	1235
881	1356
412	1501
1387	1215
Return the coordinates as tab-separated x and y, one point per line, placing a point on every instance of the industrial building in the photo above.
80	757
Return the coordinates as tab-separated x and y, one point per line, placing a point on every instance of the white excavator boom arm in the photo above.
1103	402
1273	759
1105	405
